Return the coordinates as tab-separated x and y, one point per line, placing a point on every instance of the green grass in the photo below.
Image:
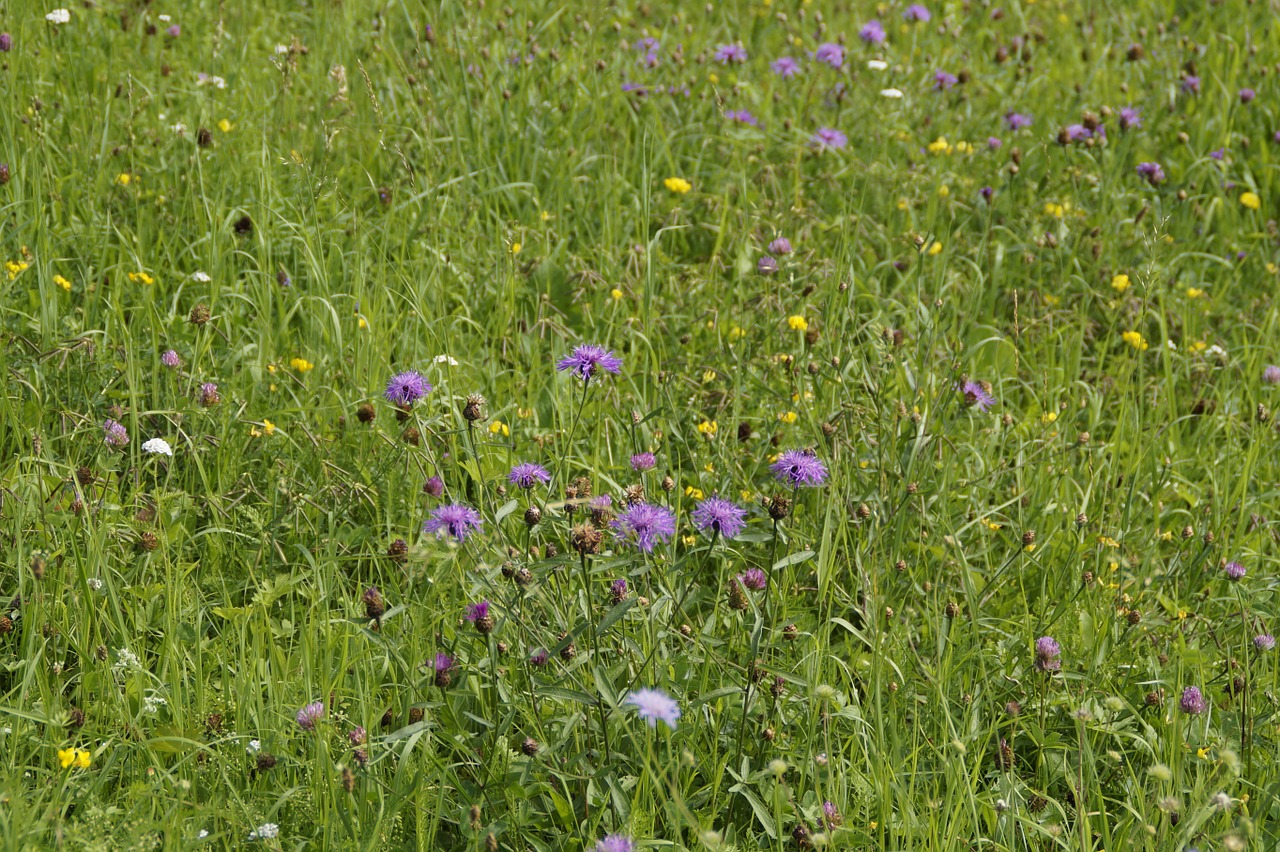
473	205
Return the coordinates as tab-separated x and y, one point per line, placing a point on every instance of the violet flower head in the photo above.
357	736
618	589
171	359
587	360
1152	172
655	706
174	31
645	525
799	468
115	434
209	395
475	612
831	54
976	395
540	658
614	843
717	515
766	265
1234	571
527	474
6	42
872	32
987	193
442	662
916	13
311	714
943	80
647	44
1047	653
828	137
404	389
730	54
753	579
1264	642
780	245
455	520
1271	375
1192	701
1130	118
641	462
1191	85
1220	154
1016	120
742	116
433	487
1247	95
1076	133
785	67
994	143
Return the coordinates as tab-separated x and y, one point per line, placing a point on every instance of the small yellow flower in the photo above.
939	145
1109	542
695	493
524	413
62	282
1051	300
902	204
709	467
615	294
15	267
746	496
302	365
1202	753
936	248
224	125
1030	548
515	248
798	323
1272	268
1120	283
787	417
713	77
1136	340
944	191
736	333
362	322
1194	292
66	756
124	178
498	426
677	185
141	278
272	387
708	427
964	147
546	216
268	427
1048	417
1167	535
82	759
688	540
1199	346
709	376
1251	200
1055	210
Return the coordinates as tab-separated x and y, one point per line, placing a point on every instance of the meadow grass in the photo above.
1023	599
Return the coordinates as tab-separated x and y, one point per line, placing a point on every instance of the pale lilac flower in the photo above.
1191	84
994	143
655	706
766	265
455	520
115	434
717	515
753	579
614	843
943	80
1247	95
404	389
1234	571
1264	642
1130	118
828	137
311	714
643	461
730	54
780	245
1152	172
1271	375
1192	701
171	359
872	32
1016	120
785	67
916	12
831	54
1047	652
742	116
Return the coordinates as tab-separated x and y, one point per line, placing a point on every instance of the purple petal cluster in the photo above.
310	715
1047	653
641	462
717	515
645	525
404	389
799	468
588	360
829	137
1193	701
654	705
872	32
454	519
831	54
528	474
785	67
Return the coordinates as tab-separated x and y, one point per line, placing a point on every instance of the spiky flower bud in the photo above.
199	315
366	412
532	516
529	747
398	550
474	409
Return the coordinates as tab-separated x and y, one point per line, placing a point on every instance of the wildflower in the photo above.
717	515
828	137
788	417
308	716
753	579
442	664
1120	283
1191	84
785	67
498	426
77	757
209	395
587	360
655	706
455	520
157	446
6	42
614	843
708	428
872	32
433	487
1074	133
1264	642
1047	652
1130	118
1135	339
357	735
645	525
1192	701
780	245
1247	95
938	146
730	54
404	389
266	831
831	54
987	193
15	268
62	282
1271	375
742	116
115	434
58	16
141	278
799	468
302	365
527	474
641	462
1219	154
677	185
540	657
1234	571
1152	172
224	126
877	65
171	359
1251	200
478	612
976	396
766	265
268	427
1016	121
943	80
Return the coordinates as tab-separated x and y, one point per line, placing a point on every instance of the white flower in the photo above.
877	64
178	128
202	277
158	445
1172	345
1215	349
890	93
152	703
126	660
203	834
203	79
264	831
58	16
446	359
254	747
165	18
282	49
94	583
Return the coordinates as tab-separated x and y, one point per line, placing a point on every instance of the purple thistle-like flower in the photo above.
1077	133
1130	118
618	589
717	515
753	579
780	245
475	612
1191	84
730	54
174	31
646	45
433	487
311	714
829	137
785	67
916	12
830	54
115	434
404	389
655	706
994	143
1247	95
357	736
455	520
1152	172
171	359
1271	375
943	80
6	42
872	32
540	658
1220	154
766	265
588	359
1192	701
1264	642
987	193
643	461
442	661
742	116
614	843
1047	652
645	525
209	395
1234	571
527	475
1016	120
799	468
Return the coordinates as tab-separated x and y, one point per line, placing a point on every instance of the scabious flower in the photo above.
976	396
614	843
404	389
643	461
828	137
1264	642
588	360
1234	571
1016	120
753	579
830	54
742	116
799	468
655	706
455	520
916	12
311	714
645	525
785	67
717	515
1271	375
730	54
1130	118
943	80
766	265
115	434
1192	701
780	245
872	32
1152	172
171	359
528	474
1047	652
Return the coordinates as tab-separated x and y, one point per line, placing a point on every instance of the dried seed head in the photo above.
668	483
199	315
366	413
415	715
864	511
1028	538
586	539
779	507
398	550
532	516
474	409
790	632
529	747
737	595
147	541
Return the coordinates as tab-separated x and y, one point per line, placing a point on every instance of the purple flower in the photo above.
650	60
1047	652
987	192
1271	375
309	715
799	468
872	32
475	612
916	12
404	389
785	67
828	137
1264	642
830	54
766	265
618	589
1191	83
753	579
1247	95
433	487
528	474
730	54
780	245
588	359
655	706
1192	701
1234	571
944	80
638	88
976	396
174	31
1076	133
115	434
994	143
171	359
717	515
209	395
6	42
615	842
1152	172
540	658
1219	154
646	45
831	815
454	519
643	461
357	735
742	116
645	525
1130	117
1016	120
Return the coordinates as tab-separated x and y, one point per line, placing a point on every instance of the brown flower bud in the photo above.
366	413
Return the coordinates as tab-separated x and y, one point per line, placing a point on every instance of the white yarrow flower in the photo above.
159	446
254	747
264	831
890	93
877	64
58	16
202	277
446	359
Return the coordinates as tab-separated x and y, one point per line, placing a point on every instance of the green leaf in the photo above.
793	559
567	695
612	616
506	509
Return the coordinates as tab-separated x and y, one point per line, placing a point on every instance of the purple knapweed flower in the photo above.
6	42
645	525
1077	133
976	396
717	515
742	116
1047	652
1234	571
618	589
171	359
476	611
831	817
614	843
730	54
785	67
404	389
1152	172
780	245
455	520
766	265
638	88
114	434
646	44
872	32
641	462
916	12
799	468
831	54
527	474
828	137
588	360
311	714
1271	375
987	193
1130	118
433	487
655	706
1264	642
174	31
943	80
1247	95
753	579
994	143
1192	701
357	736
1219	154
1016	120
540	658
1191	84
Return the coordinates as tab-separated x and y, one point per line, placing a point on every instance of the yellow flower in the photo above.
1136	340
787	417
902	204
124	178
936	248
525	412
1202	753
708	427
82	759
515	248
746	496
939	145
964	147
709	376
944	191
268	427
62	282
1049	417
713	77
615	294
1109	542
66	756
224	126
1051	300
1199	346
798	323
15	267
1194	292
695	493
271	368
1054	210
677	185
736	333
1167	535
498	426
1029	548
1272	268
709	467
141	278
302	365
1120	283
362	322
1251	200
688	540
